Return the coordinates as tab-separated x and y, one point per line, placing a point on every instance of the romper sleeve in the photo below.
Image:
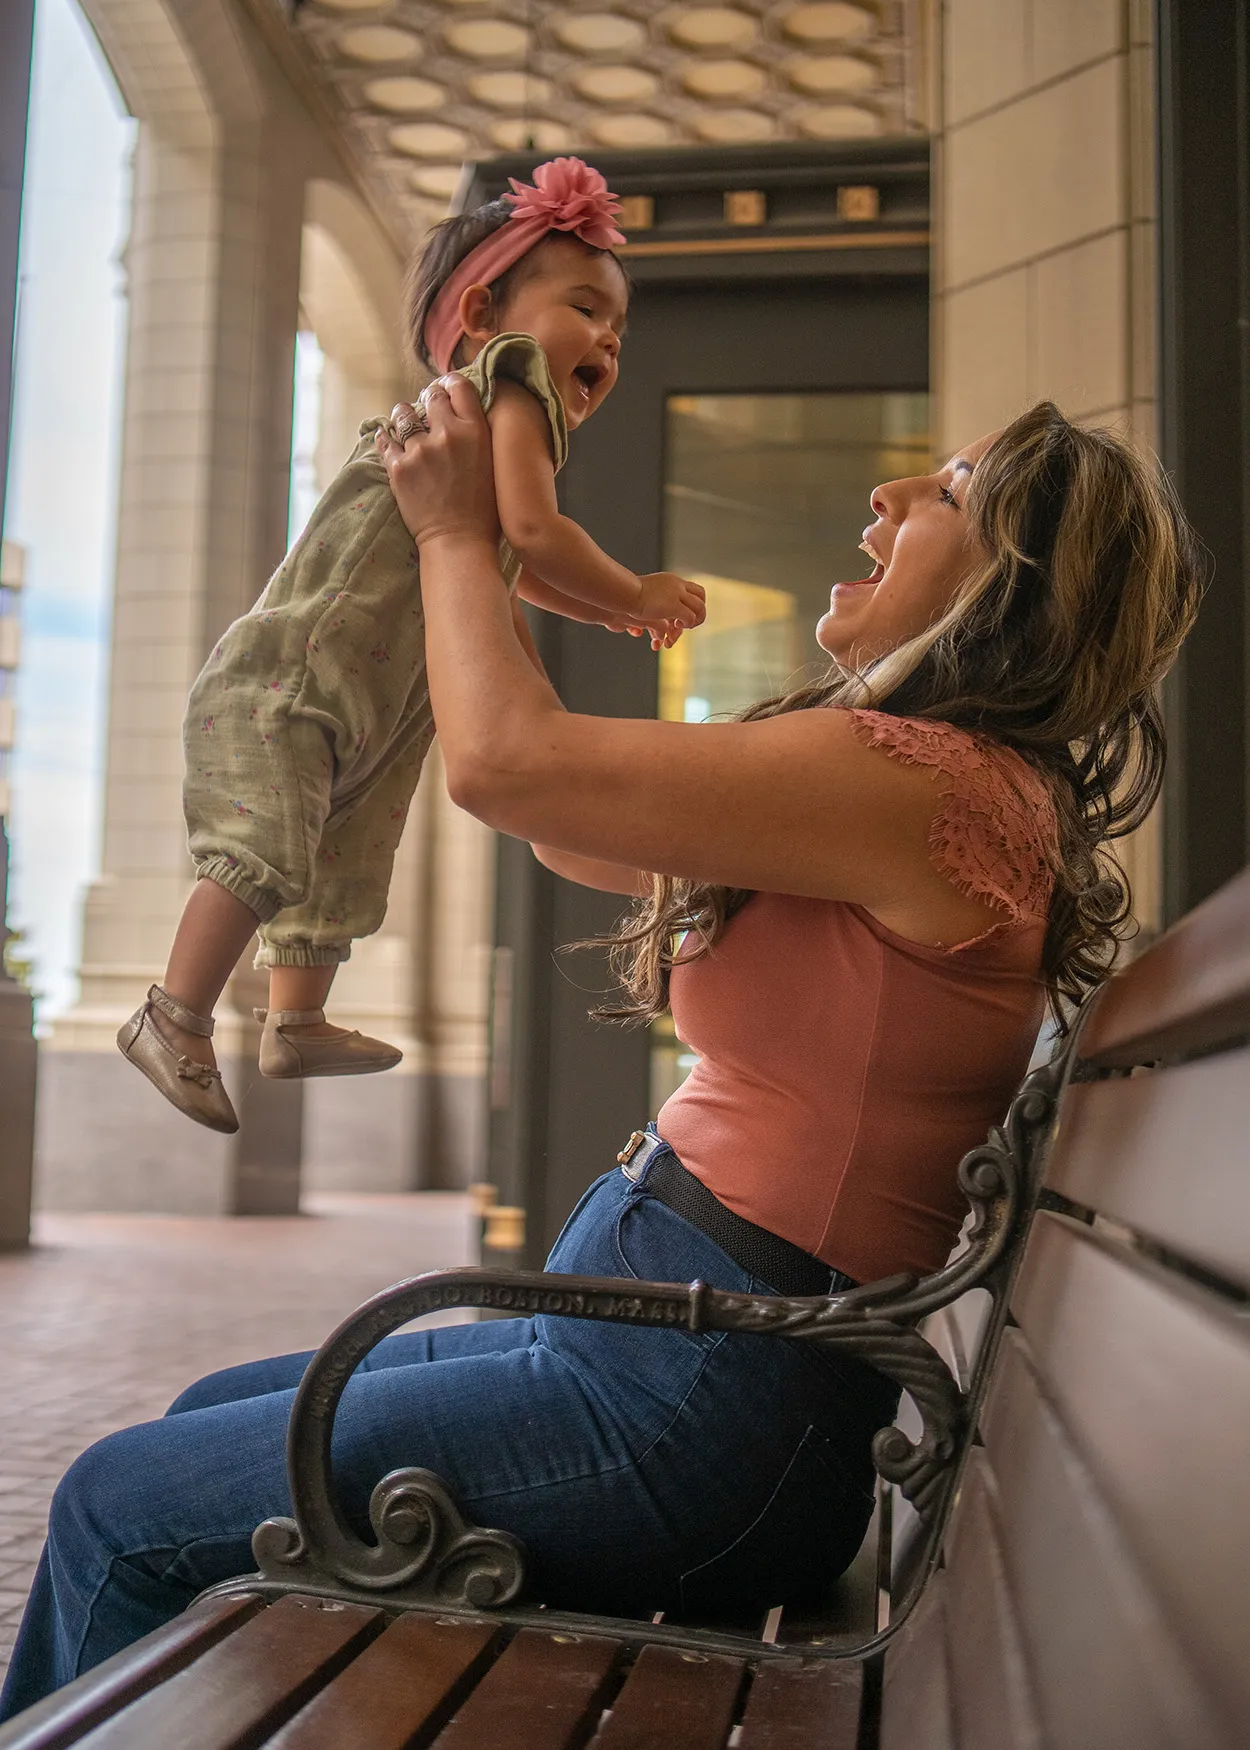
520	357
995	835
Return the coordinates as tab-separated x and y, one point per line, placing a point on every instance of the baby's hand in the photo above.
663	635
669	604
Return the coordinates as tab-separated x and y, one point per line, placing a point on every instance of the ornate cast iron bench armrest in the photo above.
427	1556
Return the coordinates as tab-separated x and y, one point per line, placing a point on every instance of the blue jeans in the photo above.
642	1469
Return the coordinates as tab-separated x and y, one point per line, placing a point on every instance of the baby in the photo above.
306	731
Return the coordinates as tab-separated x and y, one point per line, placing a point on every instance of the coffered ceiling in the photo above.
421	86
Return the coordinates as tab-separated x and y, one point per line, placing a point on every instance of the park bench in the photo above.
1059	1559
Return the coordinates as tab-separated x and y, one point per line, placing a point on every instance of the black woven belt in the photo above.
785	1267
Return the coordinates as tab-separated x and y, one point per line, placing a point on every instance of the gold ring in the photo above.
408	425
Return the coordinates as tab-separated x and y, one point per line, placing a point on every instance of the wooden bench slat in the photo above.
684	1701
61	1719
545	1692
916	1699
412	1678
803	1707
995	1708
1108	1669
1122	1146
247	1685
1189	991
1151	1378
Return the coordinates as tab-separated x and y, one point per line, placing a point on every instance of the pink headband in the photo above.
568	196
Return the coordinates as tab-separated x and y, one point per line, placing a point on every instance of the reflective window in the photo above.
766	498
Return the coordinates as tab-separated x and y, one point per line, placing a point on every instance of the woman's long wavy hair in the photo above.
1087	579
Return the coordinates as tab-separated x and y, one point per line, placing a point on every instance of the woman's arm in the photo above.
607	877
593	872
791	804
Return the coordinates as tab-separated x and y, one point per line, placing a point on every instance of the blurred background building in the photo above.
12	572
862	231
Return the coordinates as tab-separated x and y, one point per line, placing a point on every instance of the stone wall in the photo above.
1044	260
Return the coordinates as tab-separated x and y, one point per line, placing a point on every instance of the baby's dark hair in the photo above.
441	254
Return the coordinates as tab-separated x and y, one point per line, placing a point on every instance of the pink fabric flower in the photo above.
568	195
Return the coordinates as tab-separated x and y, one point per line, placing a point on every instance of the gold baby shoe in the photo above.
192	1087
350	1054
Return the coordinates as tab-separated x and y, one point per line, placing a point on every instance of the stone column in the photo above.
367	1137
457	947
364	1136
213	263
422	980
1045	236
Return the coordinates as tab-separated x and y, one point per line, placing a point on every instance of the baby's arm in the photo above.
555	549
532	588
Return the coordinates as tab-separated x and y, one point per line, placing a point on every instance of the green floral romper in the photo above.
308	726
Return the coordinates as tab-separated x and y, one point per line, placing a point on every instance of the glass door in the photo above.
765	499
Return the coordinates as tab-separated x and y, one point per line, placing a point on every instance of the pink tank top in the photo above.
842	1070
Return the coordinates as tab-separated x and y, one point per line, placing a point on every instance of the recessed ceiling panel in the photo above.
488	39
736	127
616	84
530	136
838	121
632	129
831	21
510	90
379	43
820	73
598	33
403	95
570	75
723	79
437	180
713	27
428	140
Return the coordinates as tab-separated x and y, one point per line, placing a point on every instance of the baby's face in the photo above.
574	304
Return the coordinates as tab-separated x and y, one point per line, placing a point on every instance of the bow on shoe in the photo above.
190	1071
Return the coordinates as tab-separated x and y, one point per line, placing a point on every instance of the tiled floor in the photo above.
109	1316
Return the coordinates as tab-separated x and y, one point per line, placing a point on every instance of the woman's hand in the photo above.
442	477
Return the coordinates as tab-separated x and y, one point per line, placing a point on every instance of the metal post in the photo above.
17	1041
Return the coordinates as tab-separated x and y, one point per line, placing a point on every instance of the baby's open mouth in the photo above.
588	376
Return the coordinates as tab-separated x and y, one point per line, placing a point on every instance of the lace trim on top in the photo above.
995	833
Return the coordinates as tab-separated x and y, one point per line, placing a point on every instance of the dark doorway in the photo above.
769	377
1204	426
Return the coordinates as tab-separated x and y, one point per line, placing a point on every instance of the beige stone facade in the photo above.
1044	255
277	183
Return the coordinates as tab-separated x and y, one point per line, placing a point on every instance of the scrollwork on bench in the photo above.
426	1554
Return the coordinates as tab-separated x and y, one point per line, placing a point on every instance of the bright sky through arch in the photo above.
67	404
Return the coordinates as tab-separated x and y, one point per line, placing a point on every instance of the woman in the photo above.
874	883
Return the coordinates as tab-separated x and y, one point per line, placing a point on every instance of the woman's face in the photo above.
923	551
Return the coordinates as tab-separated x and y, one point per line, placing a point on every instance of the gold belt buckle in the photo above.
636	1140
